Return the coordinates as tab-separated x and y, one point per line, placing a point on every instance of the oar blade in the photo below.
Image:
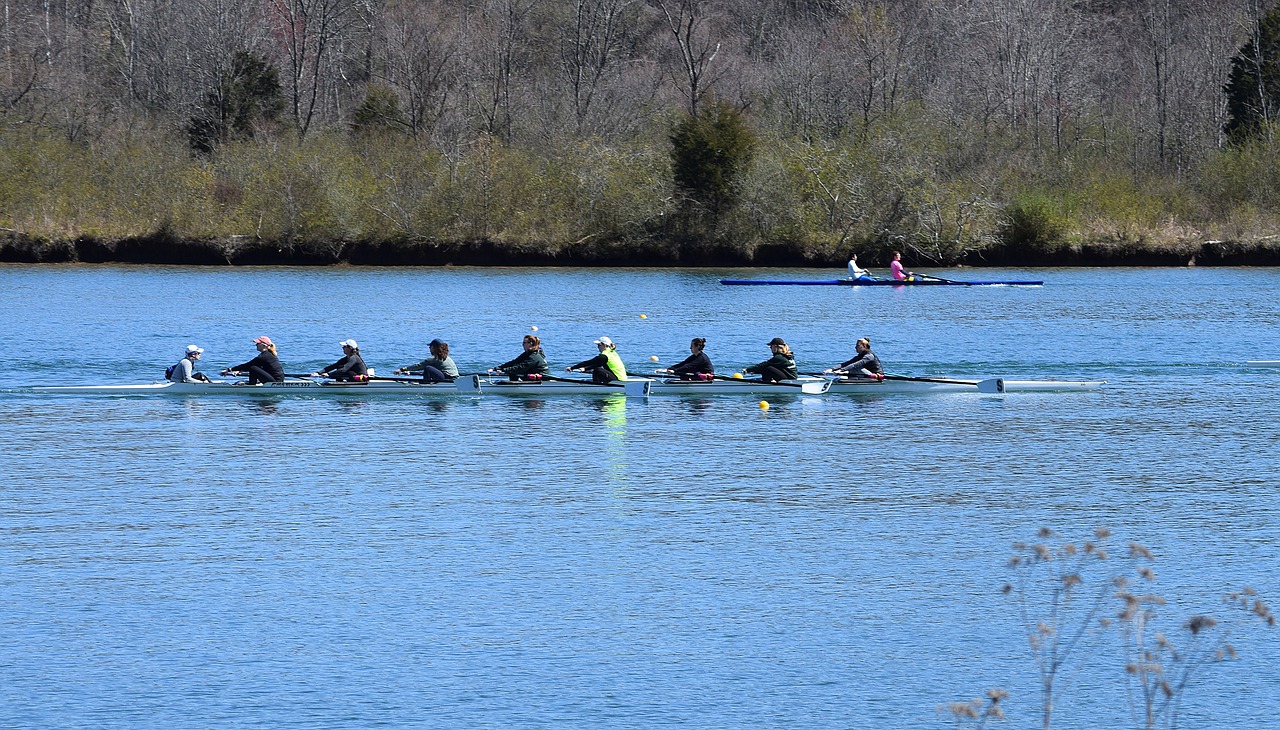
815	387
638	388
991	385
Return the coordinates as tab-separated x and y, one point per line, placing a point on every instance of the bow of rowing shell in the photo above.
475	385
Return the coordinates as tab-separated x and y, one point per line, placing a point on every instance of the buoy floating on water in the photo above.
643	317
533	327
764	405
653	358
737	376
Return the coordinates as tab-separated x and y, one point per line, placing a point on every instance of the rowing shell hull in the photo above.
876	282
472	386
467	386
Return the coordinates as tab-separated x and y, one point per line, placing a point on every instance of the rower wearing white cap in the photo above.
605	367
350	367
184	370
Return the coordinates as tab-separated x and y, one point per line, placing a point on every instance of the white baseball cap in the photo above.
194	349
605	341
350	343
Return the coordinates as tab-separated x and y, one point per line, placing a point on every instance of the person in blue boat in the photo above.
864	364
439	368
530	365
695	367
265	368
184	370
782	366
896	269
606	367
350	367
857	272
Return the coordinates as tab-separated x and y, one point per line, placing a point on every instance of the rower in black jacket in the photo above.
697	366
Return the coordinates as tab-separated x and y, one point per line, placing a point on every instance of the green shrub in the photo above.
1034	220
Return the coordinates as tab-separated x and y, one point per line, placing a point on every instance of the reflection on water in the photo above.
261	406
438	406
613	411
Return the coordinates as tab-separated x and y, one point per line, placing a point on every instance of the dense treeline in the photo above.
677	130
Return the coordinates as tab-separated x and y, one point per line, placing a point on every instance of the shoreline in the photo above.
246	251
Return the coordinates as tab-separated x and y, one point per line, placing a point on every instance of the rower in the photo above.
782	366
895	268
439	368
184	370
350	367
864	364
695	367
265	368
857	272
530	365
606	367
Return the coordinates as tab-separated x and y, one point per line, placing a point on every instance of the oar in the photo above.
405	379
810	388
630	387
287	375
908	378
939	278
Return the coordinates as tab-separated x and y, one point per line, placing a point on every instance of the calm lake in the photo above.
833	561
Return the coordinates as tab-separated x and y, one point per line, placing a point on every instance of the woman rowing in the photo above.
530	365
265	368
349	367
864	364
695	367
606	367
439	368
782	366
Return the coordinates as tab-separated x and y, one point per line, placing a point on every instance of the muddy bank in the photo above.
244	251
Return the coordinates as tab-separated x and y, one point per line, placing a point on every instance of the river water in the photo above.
580	562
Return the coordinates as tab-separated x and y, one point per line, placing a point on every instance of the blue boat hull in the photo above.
875	282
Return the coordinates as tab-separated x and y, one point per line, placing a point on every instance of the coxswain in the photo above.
695	367
439	368
265	368
782	366
864	364
184	370
606	367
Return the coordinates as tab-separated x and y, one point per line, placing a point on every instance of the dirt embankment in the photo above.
245	251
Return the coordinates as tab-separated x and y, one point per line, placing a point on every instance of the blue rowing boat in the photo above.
917	281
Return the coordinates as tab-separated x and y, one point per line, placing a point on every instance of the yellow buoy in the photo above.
764	405
653	358
737	376
643	317
533	327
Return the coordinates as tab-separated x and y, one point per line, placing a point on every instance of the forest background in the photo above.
640	131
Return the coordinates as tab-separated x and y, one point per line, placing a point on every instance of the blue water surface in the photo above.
832	561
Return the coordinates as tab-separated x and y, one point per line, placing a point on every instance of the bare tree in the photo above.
697	45
308	30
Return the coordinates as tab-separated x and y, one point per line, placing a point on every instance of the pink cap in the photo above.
264	340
